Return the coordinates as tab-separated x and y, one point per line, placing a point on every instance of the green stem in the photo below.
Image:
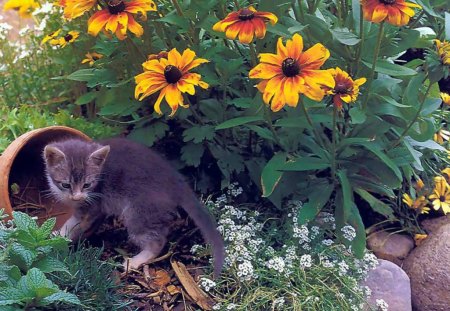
236	4
411	25
311	124
361	43
333	139
268	117
180	13
374	63
253	54
416	116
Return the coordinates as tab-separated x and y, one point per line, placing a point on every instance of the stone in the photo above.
432	224
390	283
429	271
390	246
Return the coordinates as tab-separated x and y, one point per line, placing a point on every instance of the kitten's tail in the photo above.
208	227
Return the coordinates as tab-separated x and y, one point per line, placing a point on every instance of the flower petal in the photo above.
97	22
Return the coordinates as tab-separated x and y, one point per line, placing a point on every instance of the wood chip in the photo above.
199	297
173	290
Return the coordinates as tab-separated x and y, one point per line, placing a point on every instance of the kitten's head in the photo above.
73	169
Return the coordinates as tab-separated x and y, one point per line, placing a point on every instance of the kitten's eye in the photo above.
86	185
65	185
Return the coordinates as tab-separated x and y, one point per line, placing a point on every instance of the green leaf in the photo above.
359	242
373	147
347	197
304	164
21	256
358	115
94	77
191	154
61	297
385	67
239	121
345	36
149	134
36	279
49	264
261	131
316	201
270	176
46	228
10	296
301	122
24	222
377	205
86	98
199	133
412	91
174	19
245	102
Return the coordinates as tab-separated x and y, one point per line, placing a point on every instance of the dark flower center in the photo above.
442	198
342	88
388	1
172	74
116	6
95	57
246	14
68	37
290	67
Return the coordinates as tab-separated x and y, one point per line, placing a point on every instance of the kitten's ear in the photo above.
98	157
53	156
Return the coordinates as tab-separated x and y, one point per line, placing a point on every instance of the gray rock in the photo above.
429	270
393	247
432	224
390	283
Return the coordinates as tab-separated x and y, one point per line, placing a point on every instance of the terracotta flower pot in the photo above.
23	184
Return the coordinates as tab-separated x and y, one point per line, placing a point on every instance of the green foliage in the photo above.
27	253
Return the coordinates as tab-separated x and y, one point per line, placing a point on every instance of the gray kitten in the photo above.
121	178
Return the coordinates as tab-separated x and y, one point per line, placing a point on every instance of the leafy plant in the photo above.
27	253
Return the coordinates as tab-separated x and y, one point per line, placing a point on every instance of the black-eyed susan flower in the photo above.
70	37
24	7
443	50
395	12
345	89
245	23
441	195
441	136
419	185
418	204
76	8
162	54
419	238
445	98
171	77
91	58
118	17
52	38
292	72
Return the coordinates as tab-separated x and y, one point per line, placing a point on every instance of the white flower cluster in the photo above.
276	263
306	261
348	232
382	305
234	190
4	30
278	303
207	284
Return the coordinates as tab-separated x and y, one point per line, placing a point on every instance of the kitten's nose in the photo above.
77	196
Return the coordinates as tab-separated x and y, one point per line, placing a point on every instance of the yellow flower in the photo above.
395	12
443	50
445	98
171	76
441	136
419	238
441	195
70	37
345	89
25	7
419	184
446	171
417	204
291	72
52	38
76	8
118	17
246	23
162	54
91	58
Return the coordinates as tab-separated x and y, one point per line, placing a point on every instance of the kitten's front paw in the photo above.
132	264
140	259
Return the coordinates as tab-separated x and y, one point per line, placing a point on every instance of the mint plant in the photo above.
27	253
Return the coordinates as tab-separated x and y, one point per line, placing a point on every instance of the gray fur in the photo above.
121	178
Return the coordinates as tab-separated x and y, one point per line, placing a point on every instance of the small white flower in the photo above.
348	232
207	284
327	242
382	305
231	306
306	261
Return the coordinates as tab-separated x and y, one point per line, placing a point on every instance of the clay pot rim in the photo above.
10	154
